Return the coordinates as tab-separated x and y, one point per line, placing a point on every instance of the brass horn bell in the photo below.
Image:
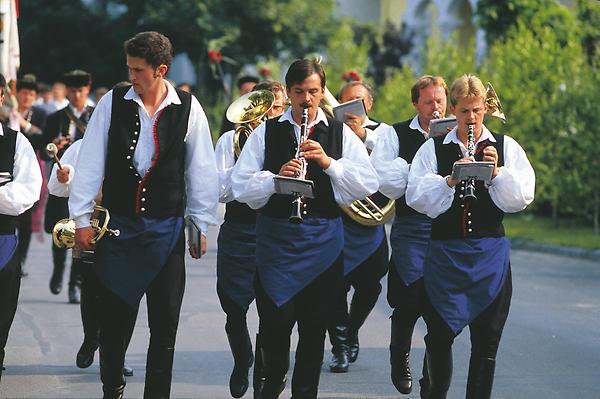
63	233
248	112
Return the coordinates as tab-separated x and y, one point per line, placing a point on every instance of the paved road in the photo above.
551	346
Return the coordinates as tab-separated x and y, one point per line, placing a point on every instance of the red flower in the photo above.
350	76
265	72
215	56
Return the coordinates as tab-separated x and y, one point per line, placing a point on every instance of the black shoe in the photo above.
85	356
339	361
353	346
113	393
401	375
56	284
270	391
127	371
238	381
74	294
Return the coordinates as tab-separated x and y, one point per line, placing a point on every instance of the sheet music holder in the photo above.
473	170
356	107
439	127
194	236
292	186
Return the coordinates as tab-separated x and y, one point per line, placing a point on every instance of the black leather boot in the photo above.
258	375
1	363
400	343
241	349
424	381
59	257
360	308
338	336
439	367
481	378
305	381
113	383
85	355
113	393
276	365
159	369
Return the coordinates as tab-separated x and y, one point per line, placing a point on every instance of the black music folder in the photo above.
473	170
293	186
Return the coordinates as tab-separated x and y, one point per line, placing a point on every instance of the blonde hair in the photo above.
424	82
467	86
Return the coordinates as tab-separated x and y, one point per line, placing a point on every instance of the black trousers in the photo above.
90	299
10	284
117	320
365	280
485	330
310	308
24	231
236	315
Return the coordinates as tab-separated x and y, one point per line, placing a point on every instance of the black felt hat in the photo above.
77	78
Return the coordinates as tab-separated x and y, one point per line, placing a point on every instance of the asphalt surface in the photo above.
550	348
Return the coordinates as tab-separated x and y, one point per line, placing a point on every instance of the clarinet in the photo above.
470	185
298	202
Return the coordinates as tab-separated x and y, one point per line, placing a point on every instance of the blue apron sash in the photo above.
463	277
290	256
127	264
360	242
8	246
235	261
409	239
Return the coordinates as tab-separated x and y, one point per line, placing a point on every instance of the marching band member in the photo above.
467	273
299	265
20	185
411	230
149	147
365	252
63	127
235	258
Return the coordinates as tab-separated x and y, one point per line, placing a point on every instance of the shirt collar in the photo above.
172	96
368	122
485	135
287	116
414	125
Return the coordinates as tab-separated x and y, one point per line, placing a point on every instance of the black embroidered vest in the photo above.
476	219
161	192
8	145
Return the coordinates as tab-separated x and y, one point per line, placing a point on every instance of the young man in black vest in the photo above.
20	185
299	266
411	230
64	127
149	147
236	269
466	270
365	251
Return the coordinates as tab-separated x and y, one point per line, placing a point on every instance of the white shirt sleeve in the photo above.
201	180
249	182
426	191
24	190
513	188
90	163
352	176
68	159
225	163
392	170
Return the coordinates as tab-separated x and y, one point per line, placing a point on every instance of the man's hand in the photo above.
311	149
62	175
491	155
61	142
83	238
355	123
292	168
453	182
194	251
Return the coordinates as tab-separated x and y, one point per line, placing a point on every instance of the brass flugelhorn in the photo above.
63	233
248	112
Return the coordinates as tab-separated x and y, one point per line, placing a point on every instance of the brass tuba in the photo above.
63	233
493	103
248	112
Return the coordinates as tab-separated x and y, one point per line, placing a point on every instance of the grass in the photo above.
542	230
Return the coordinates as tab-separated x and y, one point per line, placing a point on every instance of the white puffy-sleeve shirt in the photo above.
225	163
352	176
201	180
511	190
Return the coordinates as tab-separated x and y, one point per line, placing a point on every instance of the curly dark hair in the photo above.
153	47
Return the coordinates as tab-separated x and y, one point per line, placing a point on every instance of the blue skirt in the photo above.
360	242
235	261
8	246
409	239
290	256
127	264
463	277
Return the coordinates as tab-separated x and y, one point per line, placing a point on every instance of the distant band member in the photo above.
365	251
411	230
300	266
236	269
467	267
63	128
149	147
20	185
